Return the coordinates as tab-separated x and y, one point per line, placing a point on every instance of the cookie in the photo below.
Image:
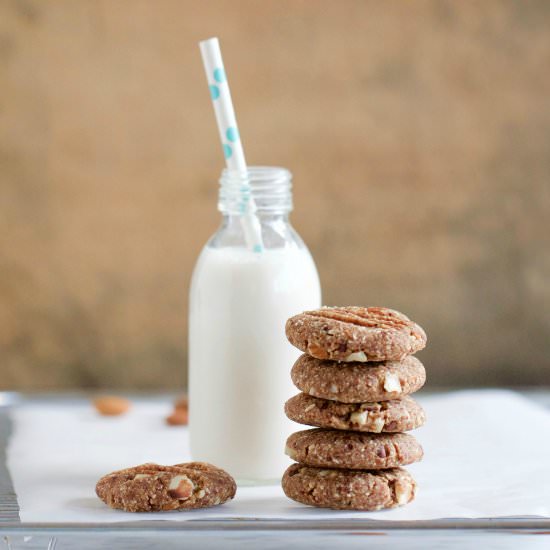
153	488
353	450
358	382
348	489
355	334
397	415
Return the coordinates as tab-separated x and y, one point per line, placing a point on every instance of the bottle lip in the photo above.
269	186
257	175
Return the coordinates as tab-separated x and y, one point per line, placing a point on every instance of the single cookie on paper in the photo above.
358	382
353	450
154	488
355	333
397	415
348	489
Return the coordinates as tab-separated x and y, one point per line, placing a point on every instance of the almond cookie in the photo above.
355	334
358	382
154	488
353	450
397	415
348	489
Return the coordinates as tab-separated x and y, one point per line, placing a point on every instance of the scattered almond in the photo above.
180	417
111	405
182	403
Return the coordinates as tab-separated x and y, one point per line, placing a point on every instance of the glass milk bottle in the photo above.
239	357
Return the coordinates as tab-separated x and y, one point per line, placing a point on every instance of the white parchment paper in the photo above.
487	454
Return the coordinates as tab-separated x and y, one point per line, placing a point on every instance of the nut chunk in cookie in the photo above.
154	488
355	333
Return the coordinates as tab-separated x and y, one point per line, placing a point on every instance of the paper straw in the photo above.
229	136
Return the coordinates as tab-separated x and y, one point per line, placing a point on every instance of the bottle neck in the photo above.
233	220
263	190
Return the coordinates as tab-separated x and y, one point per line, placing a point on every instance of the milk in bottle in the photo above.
239	357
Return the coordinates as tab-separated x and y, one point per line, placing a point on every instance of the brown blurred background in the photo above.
418	134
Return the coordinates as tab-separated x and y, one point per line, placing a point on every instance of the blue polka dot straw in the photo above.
232	134
219	75
214	91
229	136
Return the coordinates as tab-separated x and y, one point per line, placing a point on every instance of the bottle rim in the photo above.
269	186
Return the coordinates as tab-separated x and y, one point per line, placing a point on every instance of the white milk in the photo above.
240	359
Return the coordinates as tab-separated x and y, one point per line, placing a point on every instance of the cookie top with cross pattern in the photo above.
354	333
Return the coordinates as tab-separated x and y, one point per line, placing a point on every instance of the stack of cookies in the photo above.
356	376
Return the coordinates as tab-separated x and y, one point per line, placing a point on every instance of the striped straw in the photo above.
229	136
